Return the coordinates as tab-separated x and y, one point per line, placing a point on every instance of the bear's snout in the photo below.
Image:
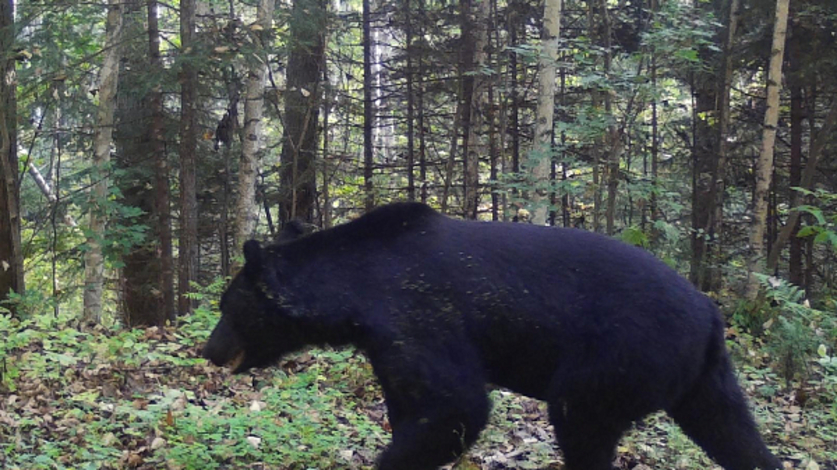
224	346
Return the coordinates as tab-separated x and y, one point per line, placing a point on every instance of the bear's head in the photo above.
259	323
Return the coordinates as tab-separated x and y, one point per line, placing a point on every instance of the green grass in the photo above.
144	399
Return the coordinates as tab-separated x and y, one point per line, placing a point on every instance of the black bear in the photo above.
603	332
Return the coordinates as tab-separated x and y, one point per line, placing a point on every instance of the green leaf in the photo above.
806	231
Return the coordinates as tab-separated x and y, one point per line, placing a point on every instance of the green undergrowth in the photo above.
144	398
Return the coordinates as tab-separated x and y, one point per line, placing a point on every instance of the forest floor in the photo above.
144	399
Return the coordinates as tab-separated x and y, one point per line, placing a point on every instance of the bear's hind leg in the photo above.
715	415
587	437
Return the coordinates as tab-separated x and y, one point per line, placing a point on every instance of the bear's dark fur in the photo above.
603	332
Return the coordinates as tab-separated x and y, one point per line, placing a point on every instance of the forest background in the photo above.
143	142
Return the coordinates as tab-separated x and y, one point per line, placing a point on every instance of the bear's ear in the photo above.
292	230
252	256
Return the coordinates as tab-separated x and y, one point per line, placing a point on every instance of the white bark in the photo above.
43	185
538	161
94	265
764	166
245	214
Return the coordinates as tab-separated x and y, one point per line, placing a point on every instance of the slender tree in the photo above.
188	237
764	165
797	116
704	84
94	266
717	186
538	163
409	52
245	214
368	111
612	137
475	41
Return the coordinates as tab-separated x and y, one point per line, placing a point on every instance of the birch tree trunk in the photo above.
764	166
102	139
245	214
538	162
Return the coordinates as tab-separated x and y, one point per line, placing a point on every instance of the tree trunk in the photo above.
795	273
538	162
565	197
188	249
11	256
515	101
408	32
447	184
368	112
706	85
612	139
245	209
302	105
705	160
491	114
595	153
142	300
764	165
328	99
94	266
655	140
717	189
475	40
420	118
162	209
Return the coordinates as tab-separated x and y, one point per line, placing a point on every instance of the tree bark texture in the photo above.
538	162
708	156
612	138
764	165
368	111
797	116
705	160
94	266
302	105
245	209
162	209
11	256
188	237
141	292
474	42
409	52
712	276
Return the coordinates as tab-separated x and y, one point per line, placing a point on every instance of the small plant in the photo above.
795	329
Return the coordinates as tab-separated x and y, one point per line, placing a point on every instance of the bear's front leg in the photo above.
437	407
429	440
